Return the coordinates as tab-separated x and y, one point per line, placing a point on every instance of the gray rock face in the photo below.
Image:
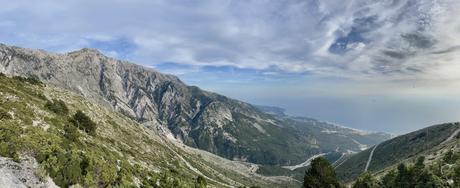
201	119
22	175
125	86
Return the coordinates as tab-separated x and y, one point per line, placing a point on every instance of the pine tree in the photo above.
419	166
456	177
320	174
404	177
449	157
427	180
366	180
388	181
83	122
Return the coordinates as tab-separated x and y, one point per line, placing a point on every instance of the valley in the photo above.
163	128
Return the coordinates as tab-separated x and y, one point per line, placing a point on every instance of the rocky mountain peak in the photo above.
87	51
208	121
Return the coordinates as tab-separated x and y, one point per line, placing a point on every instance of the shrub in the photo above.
389	179
83	122
10	141
40	95
200	182
57	106
456	175
71	133
34	80
449	157
366	180
41	173
5	115
320	174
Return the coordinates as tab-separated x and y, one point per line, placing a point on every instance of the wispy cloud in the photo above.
285	49
355	39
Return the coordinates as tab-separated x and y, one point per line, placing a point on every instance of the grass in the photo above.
111	157
394	151
36	120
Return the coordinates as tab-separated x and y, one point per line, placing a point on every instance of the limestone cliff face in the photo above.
125	86
194	116
201	119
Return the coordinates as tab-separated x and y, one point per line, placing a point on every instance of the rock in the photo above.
21	175
201	119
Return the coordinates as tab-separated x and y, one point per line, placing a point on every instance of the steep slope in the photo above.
388	154
121	152
336	142
205	120
329	136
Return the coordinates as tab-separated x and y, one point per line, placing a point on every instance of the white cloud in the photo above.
355	39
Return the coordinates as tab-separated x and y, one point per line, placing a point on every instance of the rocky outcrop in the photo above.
205	120
23	174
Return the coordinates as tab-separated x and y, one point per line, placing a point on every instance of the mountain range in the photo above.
160	123
230	128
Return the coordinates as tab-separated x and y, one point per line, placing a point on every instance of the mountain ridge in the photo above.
205	120
36	137
407	147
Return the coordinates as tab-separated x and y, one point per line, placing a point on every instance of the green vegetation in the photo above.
418	175
84	123
413	176
56	142
57	106
77	142
401	148
321	174
366	180
444	172
71	133
200	182
5	115
34	80
9	140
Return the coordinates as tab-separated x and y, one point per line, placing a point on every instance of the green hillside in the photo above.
76	141
397	150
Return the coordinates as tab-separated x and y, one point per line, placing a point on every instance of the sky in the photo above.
383	65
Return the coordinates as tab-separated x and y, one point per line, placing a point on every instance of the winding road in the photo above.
452	136
341	162
370	158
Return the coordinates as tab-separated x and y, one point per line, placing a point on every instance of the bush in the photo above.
201	182
34	80
366	180
57	106
389	179
5	115
321	174
71	133
63	166
449	157
456	175
41	173
416	175
10	141
84	123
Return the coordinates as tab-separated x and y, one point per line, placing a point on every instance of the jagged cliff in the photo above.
205	120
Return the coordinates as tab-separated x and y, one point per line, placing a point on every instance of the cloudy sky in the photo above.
387	65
